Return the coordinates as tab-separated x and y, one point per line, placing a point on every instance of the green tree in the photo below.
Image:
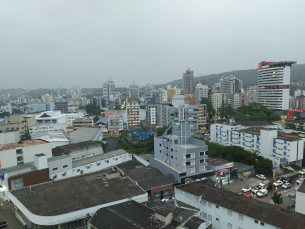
289	125
210	110
17	111
26	136
161	130
93	110
96	118
277	198
4	114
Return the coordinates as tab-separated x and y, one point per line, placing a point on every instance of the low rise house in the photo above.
21	152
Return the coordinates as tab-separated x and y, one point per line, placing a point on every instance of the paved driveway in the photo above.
7	213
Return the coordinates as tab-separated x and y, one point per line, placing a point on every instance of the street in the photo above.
287	194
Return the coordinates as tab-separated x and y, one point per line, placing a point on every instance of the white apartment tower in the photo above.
201	91
273	83
216	100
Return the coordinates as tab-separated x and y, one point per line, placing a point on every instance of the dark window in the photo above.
262	224
201	161
54	169
19	151
217	206
172	150
78	170
188	156
65	166
160	144
20	158
201	153
188	163
256	221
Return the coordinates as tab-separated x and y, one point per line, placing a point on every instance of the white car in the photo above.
263	183
256	189
277	183
247	189
299	181
302	172
261	176
286	185
262	193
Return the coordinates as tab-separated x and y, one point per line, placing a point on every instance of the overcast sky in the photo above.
60	43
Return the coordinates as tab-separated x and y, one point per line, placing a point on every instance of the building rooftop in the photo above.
99	157
65	149
76	193
56	158
265	212
18	169
194	223
154	182
81	120
20	144
131	215
83	134
181	211
216	161
50	136
143	173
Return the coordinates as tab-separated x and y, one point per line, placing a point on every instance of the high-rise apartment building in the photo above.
243	99
273	83
108	91
134	91
252	93
148	91
230	84
61	106
216	100
187	82
133	114
201	91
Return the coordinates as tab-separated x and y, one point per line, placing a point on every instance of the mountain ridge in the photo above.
249	76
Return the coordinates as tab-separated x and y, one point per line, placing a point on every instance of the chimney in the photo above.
40	161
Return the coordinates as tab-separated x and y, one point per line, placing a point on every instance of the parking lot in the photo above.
237	185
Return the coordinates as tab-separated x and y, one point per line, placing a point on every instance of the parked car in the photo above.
262	193
247	189
299	181
288	180
263	183
249	195
256	189
278	183
286	185
281	178
268	186
261	176
302	172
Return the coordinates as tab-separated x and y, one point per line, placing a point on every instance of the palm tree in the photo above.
277	198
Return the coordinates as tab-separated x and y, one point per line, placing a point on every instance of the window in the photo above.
17	183
262	224
210	218
217	219
217	206
55	176
229	212
203	215
201	154
19	151
204	202
78	170
255	221
210	205
65	166
229	225
20	158
240	217
54	169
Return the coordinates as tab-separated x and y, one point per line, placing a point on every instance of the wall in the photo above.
89	168
81	153
299	202
141	160
35	177
9	137
159	189
57	166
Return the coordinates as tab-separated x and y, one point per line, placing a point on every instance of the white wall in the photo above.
207	209
300	202
9	137
8	158
91	167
